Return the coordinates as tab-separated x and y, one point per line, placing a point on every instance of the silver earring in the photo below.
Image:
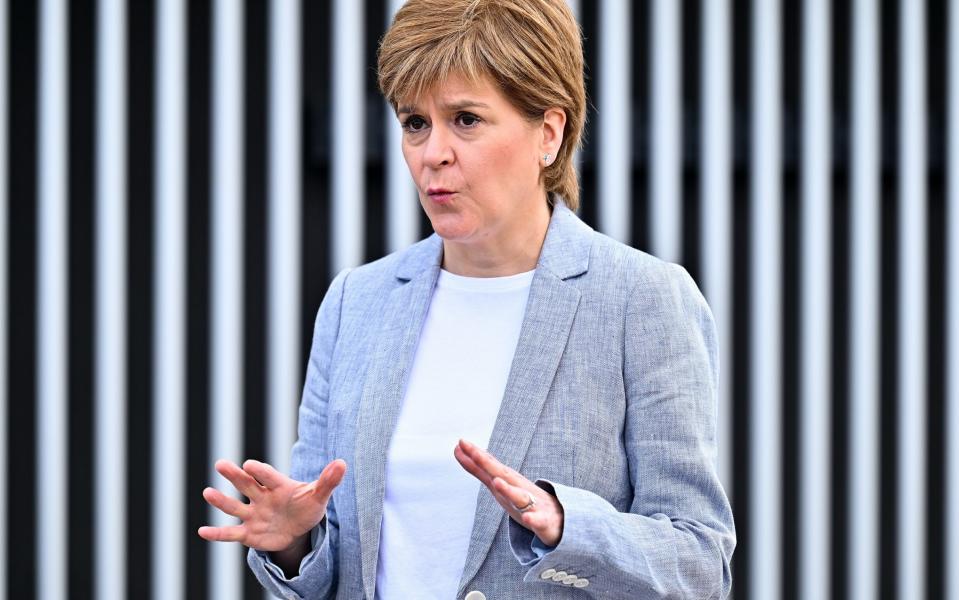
547	158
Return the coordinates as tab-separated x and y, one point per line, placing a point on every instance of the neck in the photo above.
511	252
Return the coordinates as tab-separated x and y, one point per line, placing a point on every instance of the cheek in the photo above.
512	161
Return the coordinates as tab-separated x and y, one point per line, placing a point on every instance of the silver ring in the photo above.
531	504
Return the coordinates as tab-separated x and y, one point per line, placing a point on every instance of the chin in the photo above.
452	228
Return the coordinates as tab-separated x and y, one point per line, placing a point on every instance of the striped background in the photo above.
180	180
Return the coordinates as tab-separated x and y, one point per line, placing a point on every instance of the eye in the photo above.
414	124
467	120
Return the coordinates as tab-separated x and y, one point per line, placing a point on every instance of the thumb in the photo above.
331	477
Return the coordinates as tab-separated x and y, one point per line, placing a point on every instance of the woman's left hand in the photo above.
513	491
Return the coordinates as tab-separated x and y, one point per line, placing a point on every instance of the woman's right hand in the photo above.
281	511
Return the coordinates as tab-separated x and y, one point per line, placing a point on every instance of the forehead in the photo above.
456	92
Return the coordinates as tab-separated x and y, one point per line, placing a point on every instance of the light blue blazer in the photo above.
611	400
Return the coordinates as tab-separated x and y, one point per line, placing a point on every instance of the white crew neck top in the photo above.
455	387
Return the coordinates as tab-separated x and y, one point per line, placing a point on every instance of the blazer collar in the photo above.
565	250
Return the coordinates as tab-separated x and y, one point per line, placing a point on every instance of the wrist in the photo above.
290	557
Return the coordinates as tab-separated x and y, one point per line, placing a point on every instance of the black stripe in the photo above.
198	310
140	152
254	272
82	339
316	230
21	441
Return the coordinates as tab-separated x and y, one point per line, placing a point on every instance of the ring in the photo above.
531	504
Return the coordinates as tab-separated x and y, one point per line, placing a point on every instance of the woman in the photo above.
527	407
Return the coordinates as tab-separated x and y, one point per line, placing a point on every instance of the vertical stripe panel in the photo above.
952	308
169	325
402	204
716	205
766	299
864	344
110	351
226	313
52	297
4	290
816	390
615	133
665	120
912	216
347	156
284	231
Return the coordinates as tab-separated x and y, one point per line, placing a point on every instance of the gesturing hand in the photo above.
281	511
544	517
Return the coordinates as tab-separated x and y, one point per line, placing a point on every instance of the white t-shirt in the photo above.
455	387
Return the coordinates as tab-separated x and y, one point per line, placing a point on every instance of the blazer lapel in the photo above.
550	312
404	314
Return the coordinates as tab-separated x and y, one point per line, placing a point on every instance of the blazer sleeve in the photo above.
317	573
678	537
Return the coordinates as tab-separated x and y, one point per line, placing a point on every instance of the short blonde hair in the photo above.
531	48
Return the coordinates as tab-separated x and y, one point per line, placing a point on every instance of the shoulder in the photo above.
634	275
385	273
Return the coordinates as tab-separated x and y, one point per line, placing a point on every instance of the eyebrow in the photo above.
451	107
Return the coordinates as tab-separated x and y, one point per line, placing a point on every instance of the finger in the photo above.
537	522
517	496
240	479
493	467
263	473
230	506
471	467
232	533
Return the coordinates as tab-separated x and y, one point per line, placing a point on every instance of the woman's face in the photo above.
475	159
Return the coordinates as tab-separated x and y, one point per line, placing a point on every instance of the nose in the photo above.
438	152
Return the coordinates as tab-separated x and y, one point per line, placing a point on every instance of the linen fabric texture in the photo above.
610	404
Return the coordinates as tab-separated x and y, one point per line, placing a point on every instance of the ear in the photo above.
554	122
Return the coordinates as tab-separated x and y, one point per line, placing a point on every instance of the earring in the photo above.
547	158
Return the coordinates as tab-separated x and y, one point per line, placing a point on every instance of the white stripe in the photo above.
911	216
283	358
576	7
226	306
52	297
716	222
169	325
347	153
766	294
666	201
284	363
111	322
403	209
863	463
615	132
816	318
4	290
952	307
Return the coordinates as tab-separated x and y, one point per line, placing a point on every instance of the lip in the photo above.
441	195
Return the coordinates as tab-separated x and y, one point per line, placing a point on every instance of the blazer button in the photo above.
581	583
547	574
570	579
475	595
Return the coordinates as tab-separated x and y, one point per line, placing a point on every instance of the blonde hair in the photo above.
531	48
